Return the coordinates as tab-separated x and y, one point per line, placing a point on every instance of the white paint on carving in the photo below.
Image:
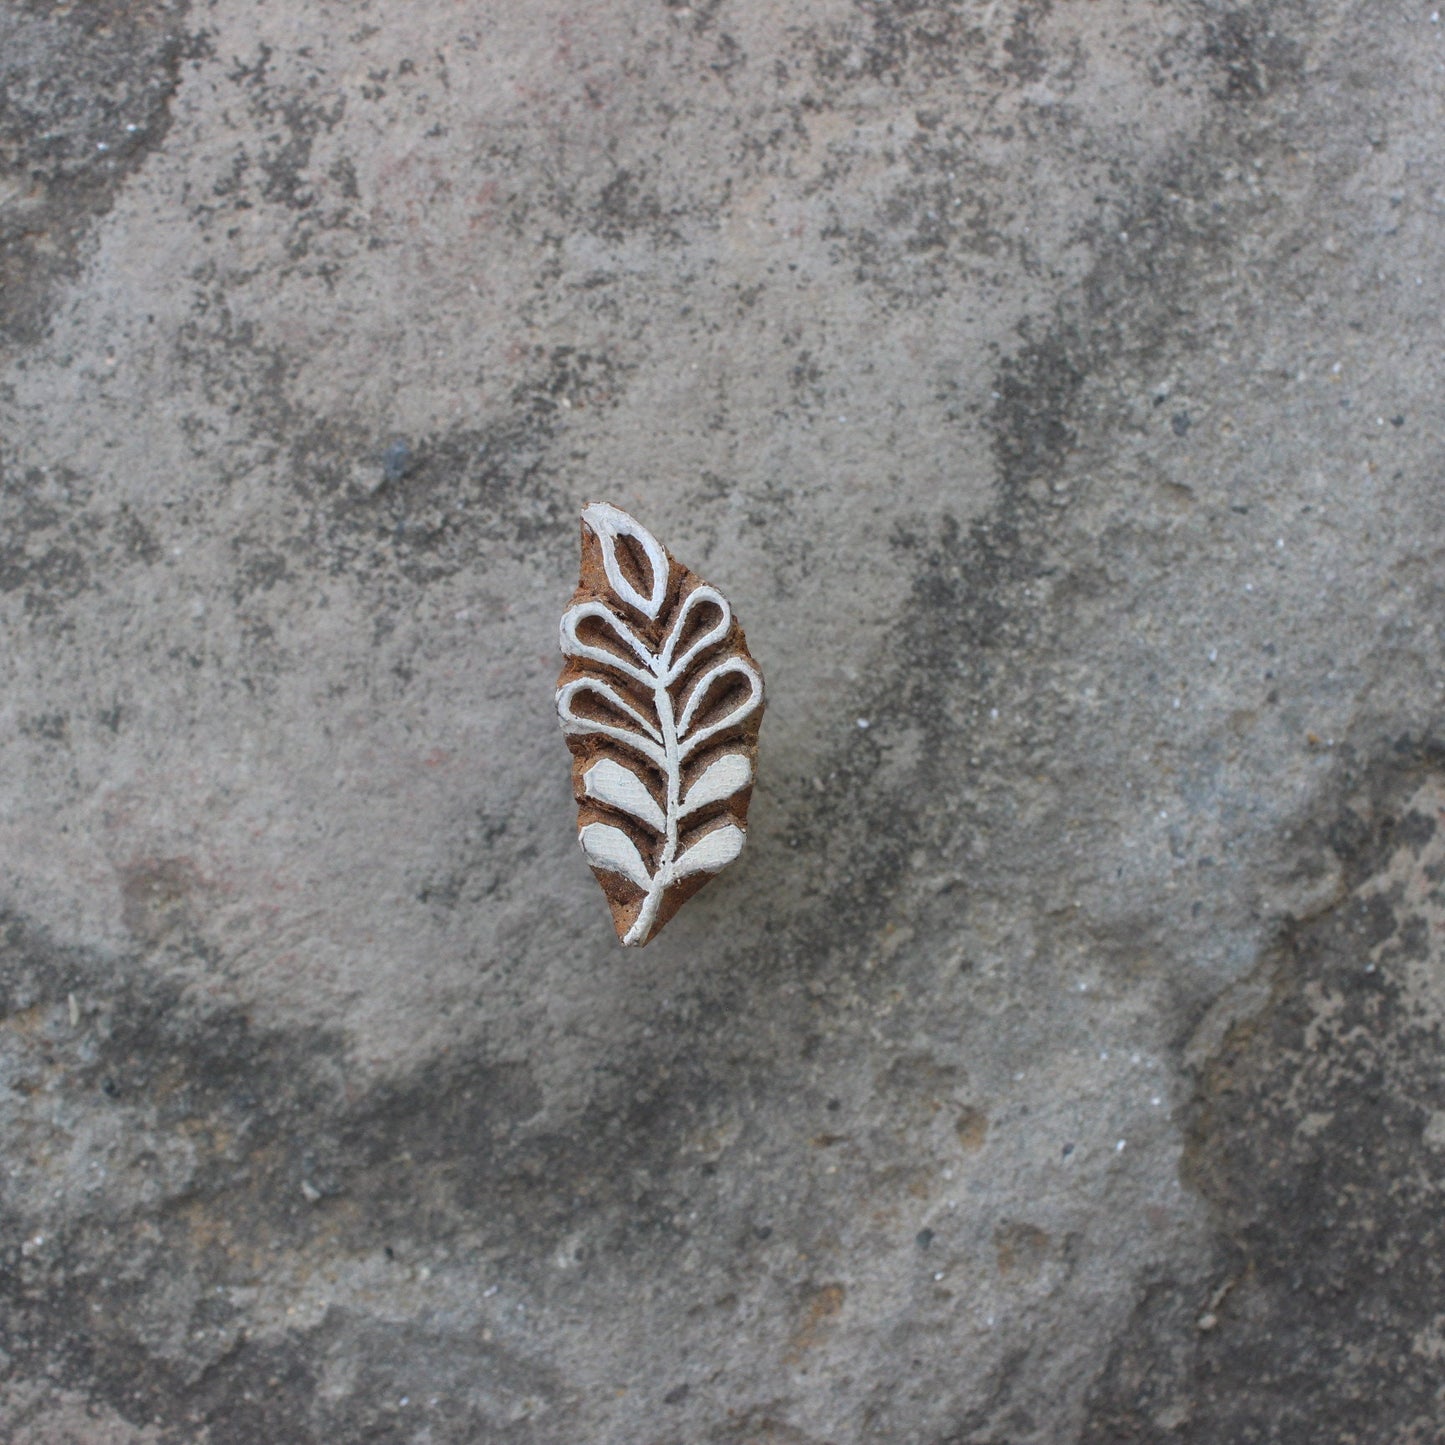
735	665
611	850
650	746
573	646
710	853
668	743
672	669
607	781
720	779
608	524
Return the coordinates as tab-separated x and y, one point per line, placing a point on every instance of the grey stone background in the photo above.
1055	389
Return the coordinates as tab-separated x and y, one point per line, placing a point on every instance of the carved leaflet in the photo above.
660	703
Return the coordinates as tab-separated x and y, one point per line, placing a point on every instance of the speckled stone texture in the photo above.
1055	388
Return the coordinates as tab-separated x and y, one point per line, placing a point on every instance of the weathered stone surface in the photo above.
1054	389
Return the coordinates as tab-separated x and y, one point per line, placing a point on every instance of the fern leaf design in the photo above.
660	703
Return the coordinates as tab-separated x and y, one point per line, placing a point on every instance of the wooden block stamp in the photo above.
660	702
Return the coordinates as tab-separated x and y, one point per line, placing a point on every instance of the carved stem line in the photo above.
667	722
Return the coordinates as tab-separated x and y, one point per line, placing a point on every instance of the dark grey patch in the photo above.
934	225
1251	51
286	157
806	377
343	172
1179	423
968	633
626	205
1415	830
396	459
1307	1138
484	867
47	539
1026	55
157	896
292	121
48	578
85	92
966	622
564	378
274	168
444	503
55	536
457	1388
135	538
893	42
462	495
227	1145
259	569
50	727
701	19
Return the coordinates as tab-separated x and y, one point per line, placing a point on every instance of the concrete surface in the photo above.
1055	390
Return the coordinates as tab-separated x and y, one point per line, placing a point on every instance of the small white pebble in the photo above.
993	712
863	722
101	146
938	1276
1156	1101
1214	654
405	1400
1119	1147
1103	1053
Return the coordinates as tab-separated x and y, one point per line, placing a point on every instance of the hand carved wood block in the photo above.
661	703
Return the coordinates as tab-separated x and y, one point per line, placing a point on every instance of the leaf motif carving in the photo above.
609	783
698	695
712	852
611	850
720	779
611	526
660	703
